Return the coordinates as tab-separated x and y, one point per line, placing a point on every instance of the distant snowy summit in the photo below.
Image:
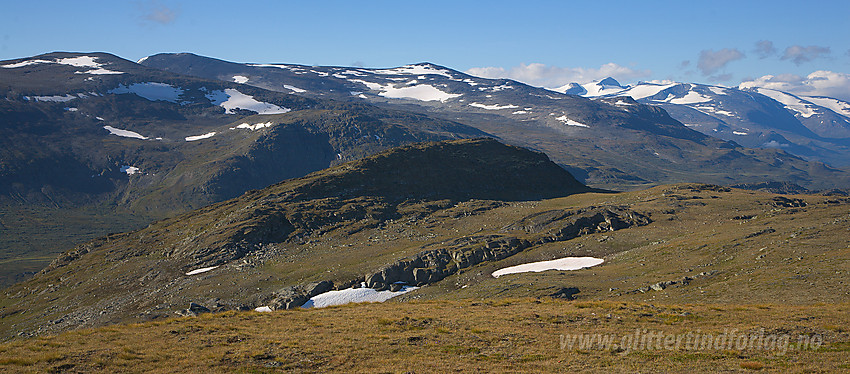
814	128
749	115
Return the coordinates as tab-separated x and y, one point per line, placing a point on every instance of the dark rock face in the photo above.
371	189
194	310
481	169
295	296
784	202
565	293
409	181
433	265
787	188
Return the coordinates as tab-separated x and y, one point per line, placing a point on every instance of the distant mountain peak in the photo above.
610	82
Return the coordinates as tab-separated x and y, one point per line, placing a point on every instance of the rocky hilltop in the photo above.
128	276
91	143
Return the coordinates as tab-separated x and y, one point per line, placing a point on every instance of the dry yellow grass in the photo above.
503	335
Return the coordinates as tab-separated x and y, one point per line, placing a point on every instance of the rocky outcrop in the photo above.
564	224
295	296
784	202
565	293
558	225
194	310
447	258
684	281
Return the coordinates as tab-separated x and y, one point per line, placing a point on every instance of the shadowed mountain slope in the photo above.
91	144
399	184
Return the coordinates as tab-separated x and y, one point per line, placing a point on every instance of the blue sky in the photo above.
545	43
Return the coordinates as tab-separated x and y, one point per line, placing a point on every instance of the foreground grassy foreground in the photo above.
507	335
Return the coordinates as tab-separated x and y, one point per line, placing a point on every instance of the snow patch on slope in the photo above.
152	91
79	61
130	170
86	62
493	107
240	79
199	137
201	270
835	105
414	70
718	90
293	88
253	127
598	88
566	263
124	133
710	110
570	122
791	102
26	63
421	92
692	97
231	99
354	295
55	98
646	90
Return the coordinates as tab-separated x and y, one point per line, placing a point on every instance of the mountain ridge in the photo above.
576	132
260	226
277	247
121	140
752	116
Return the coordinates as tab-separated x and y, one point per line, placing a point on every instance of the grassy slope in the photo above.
803	261
755	250
757	260
504	335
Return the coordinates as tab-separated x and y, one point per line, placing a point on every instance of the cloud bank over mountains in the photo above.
713	65
819	83
542	75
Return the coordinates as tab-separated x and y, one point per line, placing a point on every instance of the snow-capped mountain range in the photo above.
810	126
815	128
142	140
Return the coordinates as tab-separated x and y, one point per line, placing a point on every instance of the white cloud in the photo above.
711	61
541	75
660	81
800	54
819	83
765	48
155	12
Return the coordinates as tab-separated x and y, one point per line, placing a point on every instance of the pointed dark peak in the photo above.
610	82
575	89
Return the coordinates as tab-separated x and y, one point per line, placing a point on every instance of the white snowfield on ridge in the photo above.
79	61
404	82
421	92
231	99
152	91
803	106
